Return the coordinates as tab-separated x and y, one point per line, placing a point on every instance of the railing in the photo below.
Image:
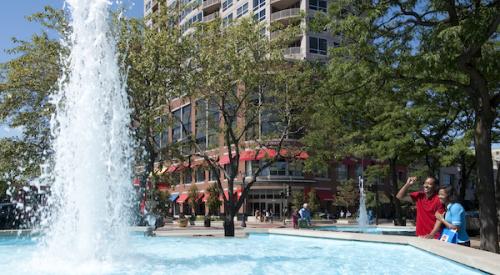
209	3
285	14
292	50
210	17
274	1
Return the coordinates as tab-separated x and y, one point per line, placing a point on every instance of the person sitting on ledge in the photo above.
454	218
427	203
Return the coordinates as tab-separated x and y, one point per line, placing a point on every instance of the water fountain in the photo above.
90	171
362	219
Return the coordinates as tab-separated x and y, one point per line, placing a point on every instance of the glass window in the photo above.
251	167
359	171
212	175
278	168
177	126
295	168
242	10
260	15
319	5
318	45
200	175
188	176
227	20
213	124
341	172
257	4
201	123
226	4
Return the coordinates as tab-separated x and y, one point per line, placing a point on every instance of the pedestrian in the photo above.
454	219
341	214
295	219
271	215
257	215
427	204
305	214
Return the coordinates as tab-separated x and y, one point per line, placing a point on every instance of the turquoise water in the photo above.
257	254
370	230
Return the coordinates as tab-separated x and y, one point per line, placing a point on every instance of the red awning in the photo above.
162	186
325	195
182	198
264	153
177	167
226	194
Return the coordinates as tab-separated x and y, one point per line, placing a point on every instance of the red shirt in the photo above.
426	211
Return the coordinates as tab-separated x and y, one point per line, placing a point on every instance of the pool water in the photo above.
370	230
257	254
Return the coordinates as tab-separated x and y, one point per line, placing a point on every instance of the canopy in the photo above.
183	198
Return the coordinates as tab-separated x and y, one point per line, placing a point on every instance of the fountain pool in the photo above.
370	230
257	254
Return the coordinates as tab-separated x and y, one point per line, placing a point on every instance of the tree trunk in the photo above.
497	195
486	187
229	225
394	184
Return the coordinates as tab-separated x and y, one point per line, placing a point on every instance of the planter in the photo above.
183	222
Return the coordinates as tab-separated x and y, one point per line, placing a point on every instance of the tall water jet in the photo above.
91	166
362	215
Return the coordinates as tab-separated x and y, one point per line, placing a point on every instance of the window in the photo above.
213	124
200	175
317	45
278	168
295	168
260	15
188	176
448	179
226	4
148	5
341	172
257	4
212	175
359	171
319	5
242	10
201	124
182	123
251	167
227	20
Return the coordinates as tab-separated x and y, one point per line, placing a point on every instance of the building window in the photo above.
212	175
260	15
188	176
148	5
319	5
213	124
200	175
278	168
251	167
295	168
227	20
201	124
182	123
257	4
448	179
317	45
226	4
242	10
341	172
161	136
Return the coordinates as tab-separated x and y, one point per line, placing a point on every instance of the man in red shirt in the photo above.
427	203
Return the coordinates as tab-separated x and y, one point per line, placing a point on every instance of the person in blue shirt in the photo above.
454	218
305	214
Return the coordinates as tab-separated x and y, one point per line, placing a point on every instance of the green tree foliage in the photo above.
297	199
347	193
313	201
423	61
27	82
193	195
213	201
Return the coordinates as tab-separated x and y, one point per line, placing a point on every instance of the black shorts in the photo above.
467	243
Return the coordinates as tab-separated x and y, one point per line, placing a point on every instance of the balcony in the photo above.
210	6
283	4
292	52
285	15
210	17
277	34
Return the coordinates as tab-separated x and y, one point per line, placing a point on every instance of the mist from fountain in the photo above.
90	170
363	220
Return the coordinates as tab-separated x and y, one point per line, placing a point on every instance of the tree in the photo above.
28	81
213	201
239	83
297	199
347	193
193	196
313	201
153	59
434	45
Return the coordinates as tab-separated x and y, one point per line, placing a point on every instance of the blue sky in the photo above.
14	24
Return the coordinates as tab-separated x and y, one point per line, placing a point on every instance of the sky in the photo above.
14	24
